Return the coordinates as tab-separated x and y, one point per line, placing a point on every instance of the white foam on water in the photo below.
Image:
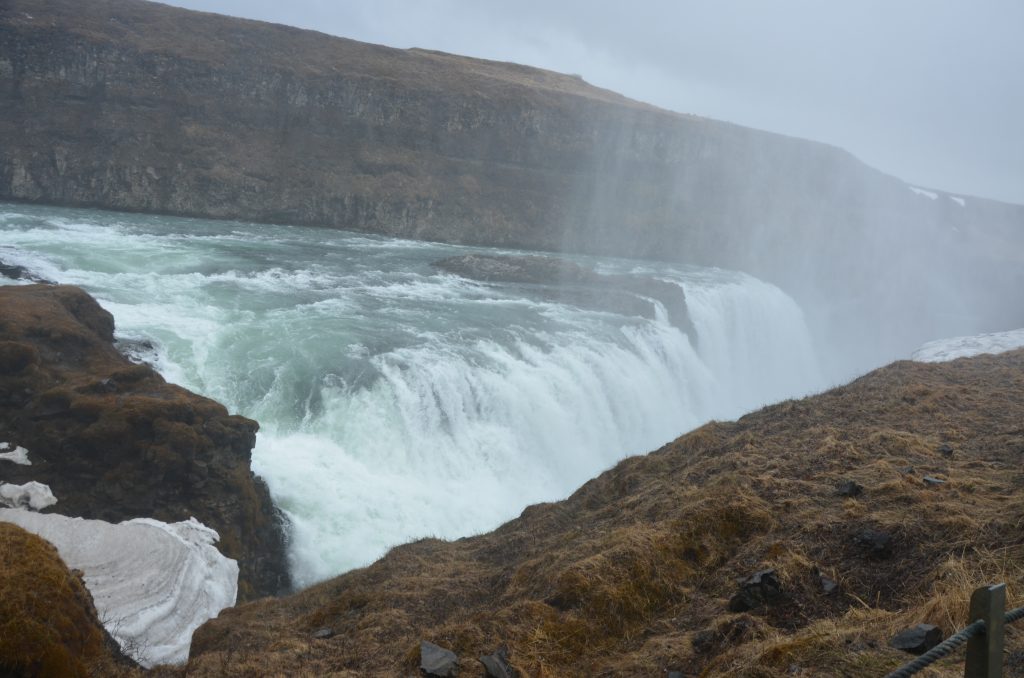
754	340
397	402
451	441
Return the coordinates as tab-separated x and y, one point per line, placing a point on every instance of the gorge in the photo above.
132	105
457	296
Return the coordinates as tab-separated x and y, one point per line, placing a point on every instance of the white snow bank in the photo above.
920	191
958	201
19	455
153	583
31	495
965	347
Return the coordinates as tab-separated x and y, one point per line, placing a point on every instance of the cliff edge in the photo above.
114	441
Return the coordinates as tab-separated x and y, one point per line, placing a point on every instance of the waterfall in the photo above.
398	402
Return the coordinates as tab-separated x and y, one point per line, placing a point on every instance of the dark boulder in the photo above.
15	272
759	589
917	639
497	664
437	661
849	488
704	641
829	586
877	543
114	441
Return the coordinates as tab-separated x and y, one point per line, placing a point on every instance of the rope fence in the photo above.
984	637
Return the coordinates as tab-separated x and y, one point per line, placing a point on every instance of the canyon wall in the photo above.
132	105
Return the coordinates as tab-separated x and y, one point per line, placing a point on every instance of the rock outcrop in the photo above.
114	441
132	105
48	624
564	281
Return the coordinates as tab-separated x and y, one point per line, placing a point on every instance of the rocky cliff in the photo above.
49	625
114	441
133	105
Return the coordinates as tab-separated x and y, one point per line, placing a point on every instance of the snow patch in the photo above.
965	347
31	495
153	583
19	455
926	193
958	200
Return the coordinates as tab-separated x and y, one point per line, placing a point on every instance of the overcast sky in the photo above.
929	90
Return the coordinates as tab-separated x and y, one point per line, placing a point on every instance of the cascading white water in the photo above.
397	402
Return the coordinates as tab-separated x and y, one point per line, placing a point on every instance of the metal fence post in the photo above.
985	650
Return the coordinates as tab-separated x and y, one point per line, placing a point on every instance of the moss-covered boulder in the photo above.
48	625
114	441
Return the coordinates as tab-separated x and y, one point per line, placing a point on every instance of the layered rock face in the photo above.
114	441
132	105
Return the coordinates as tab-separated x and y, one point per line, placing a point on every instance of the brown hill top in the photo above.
219	40
877	505
48	623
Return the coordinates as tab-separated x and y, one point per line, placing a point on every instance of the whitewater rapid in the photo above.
396	402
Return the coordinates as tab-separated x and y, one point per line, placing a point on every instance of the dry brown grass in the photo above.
632	574
48	625
218	39
851	644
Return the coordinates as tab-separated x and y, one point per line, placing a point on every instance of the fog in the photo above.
929	92
879	266
924	92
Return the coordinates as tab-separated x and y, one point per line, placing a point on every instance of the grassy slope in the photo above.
624	576
48	624
216	39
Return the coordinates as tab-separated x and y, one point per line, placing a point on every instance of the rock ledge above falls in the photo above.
114	441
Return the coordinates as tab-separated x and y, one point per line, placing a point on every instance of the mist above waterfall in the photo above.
880	264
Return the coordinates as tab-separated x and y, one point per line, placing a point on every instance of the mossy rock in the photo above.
48	624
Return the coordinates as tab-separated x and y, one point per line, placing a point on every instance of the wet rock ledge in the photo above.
114	441
564	281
